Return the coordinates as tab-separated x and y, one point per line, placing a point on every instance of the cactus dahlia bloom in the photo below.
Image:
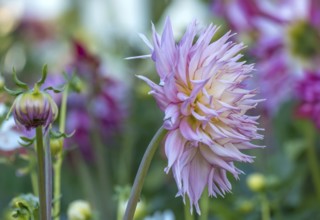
205	104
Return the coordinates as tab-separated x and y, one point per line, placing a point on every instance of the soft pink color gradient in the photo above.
266	24
308	93
205	105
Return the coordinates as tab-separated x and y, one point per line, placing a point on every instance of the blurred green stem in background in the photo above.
187	213
310	135
34	180
204	205
43	186
265	206
104	185
59	159
142	173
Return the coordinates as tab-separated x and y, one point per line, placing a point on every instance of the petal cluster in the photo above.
204	99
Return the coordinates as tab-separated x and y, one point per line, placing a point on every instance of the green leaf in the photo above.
55	89
13	92
58	134
18	82
26	141
25	207
44	75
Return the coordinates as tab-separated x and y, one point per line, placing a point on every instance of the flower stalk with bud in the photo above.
35	109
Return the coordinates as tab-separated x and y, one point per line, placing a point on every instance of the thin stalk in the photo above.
141	174
104	184
265	207
59	158
44	214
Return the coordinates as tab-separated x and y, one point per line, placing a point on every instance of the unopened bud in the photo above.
56	146
256	182
79	210
34	108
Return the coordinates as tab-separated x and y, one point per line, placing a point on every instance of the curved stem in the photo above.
44	214
142	172
58	162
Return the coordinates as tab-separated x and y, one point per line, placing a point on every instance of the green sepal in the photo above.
26	141
44	75
55	89
13	92
18	82
58	134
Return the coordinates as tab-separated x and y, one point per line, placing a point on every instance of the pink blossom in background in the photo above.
284	38
308	93
202	94
99	107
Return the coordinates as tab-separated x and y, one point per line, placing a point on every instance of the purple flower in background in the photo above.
202	94
97	108
284	36
308	92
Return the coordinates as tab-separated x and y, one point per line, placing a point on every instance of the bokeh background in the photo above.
115	118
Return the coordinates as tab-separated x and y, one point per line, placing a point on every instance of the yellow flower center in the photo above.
304	40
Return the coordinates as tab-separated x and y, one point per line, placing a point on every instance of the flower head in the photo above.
202	94
34	108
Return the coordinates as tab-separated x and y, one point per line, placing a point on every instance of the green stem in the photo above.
104	184
34	182
265	208
204	205
313	162
57	186
63	110
44	214
141	174
187	213
59	159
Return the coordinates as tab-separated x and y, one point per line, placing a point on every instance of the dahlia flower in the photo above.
202	95
285	36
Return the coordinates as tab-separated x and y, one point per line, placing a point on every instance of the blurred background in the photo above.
115	118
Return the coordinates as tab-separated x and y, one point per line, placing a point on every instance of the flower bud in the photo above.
56	146
256	182
79	210
34	108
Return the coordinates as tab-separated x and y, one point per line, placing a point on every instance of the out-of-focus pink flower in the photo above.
284	36
308	92
202	94
99	108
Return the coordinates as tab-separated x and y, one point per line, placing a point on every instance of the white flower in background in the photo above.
166	215
79	210
9	136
